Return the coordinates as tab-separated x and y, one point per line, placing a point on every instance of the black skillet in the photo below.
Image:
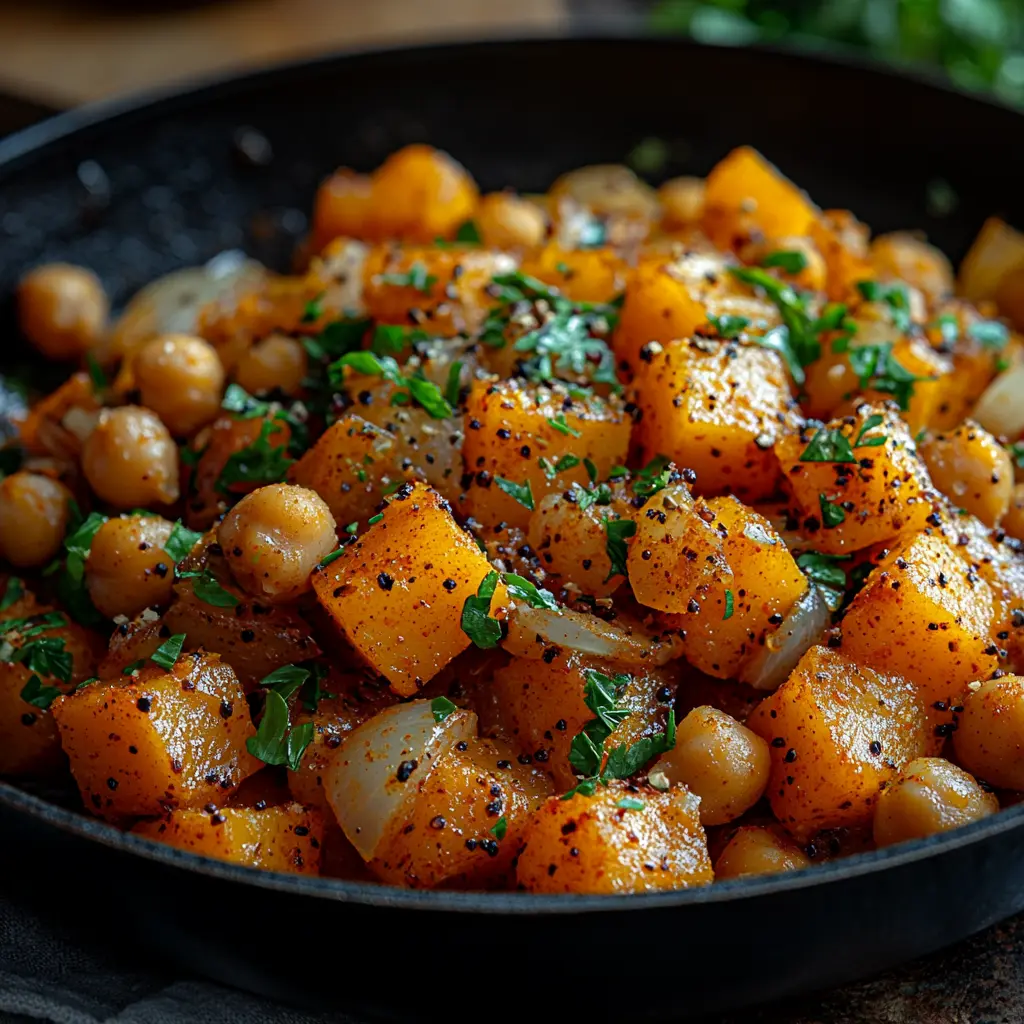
179	187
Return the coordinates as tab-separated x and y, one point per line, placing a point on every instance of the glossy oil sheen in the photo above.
516	113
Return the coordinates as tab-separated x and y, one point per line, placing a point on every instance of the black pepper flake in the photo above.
461	746
874	748
405	770
471	844
384	581
227	709
540	755
449	585
504	766
438	822
301	830
111	784
790	756
779	741
143	703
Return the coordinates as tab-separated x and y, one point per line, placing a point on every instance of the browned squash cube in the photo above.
157	740
619	840
837	733
716	407
287	837
398	591
925	615
517	436
857	480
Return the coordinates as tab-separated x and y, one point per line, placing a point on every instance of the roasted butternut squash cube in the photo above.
525	441
343	207
450	833
619	840
141	745
540	707
857	481
843	243
286	837
745	188
717	408
837	733
29	744
904	256
668	299
729	617
925	615
440	290
397	592
583	275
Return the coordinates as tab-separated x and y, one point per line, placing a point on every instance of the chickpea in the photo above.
1013	521
682	202
128	569
343	208
62	309
608	190
720	760
930	795
989	741
973	469
756	850
181	379
273	539
276	362
903	256
507	221
33	518
130	459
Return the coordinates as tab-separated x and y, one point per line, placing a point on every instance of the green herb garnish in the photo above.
258	463
790	260
167	653
14	591
831	515
208	589
477	623
522	493
825	572
729	605
728	327
416	277
618	531
274	742
441	708
560	424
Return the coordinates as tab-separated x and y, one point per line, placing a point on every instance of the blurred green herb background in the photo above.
979	43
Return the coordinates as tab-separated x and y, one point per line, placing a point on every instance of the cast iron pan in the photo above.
175	188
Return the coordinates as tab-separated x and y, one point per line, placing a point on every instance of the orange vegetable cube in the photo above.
717	408
616	841
843	242
519	433
343	208
925	615
855	484
159	740
583	275
285	837
837	732
397	591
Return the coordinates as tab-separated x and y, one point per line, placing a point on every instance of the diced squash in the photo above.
668	299
29	744
343	207
837	733
744	186
397	592
902	256
285	838
442	291
925	615
450	833
583	275
843	243
884	492
717	408
540	707
509	221
158	740
759	850
682	202
996	251
729	617
619	840
518	433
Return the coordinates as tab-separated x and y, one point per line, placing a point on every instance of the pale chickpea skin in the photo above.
128	569
33	518
757	850
989	740
130	460
930	795
973	469
1013	521
273	539
720	760
507	221
181	379
62	310
277	362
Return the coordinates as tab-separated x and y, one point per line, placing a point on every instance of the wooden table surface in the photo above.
65	53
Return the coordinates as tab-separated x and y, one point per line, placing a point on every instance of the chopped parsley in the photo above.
1016	451
391	339
564	463
655	476
559	423
287	680
333	556
875	440
729	605
989	333
42	655
258	463
468	232
441	708
728	327
591	469
789	260
275	742
314	310
14	591
522	493
630	803
618	531
592	762
827	574
453	385
39	694
181	541
96	374
167	653
830	444
336	339
375	519
876	367
477	623
534	596
499	828
894	295
599	495
422	391
831	515
208	589
416	277
70	572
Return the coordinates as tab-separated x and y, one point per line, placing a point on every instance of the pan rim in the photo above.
37	140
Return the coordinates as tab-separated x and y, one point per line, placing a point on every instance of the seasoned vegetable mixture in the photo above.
608	540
